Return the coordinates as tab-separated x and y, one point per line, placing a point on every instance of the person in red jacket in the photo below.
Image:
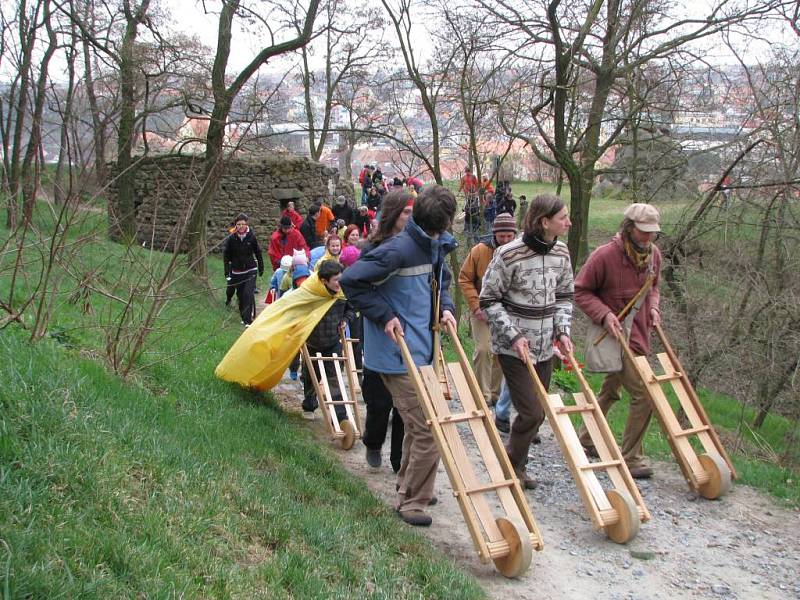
612	275
285	241
469	183
296	217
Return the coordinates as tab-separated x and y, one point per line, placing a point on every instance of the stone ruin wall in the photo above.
259	187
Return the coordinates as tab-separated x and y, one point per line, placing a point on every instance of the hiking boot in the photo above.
641	471
528	483
417	518
373	458
292	375
537	439
309	415
503	425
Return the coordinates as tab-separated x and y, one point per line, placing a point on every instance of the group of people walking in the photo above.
520	291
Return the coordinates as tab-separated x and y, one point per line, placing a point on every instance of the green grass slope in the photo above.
177	484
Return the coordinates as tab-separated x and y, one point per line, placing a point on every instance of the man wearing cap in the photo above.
611	277
487	369
285	241
342	210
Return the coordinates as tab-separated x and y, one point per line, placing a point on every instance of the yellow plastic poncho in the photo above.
261	355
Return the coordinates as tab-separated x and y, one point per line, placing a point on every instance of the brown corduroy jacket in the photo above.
473	270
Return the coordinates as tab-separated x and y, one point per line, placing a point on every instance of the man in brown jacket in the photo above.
611	277
487	369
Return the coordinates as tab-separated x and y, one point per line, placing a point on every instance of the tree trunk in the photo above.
98	127
30	164
62	182
27	37
125	219
214	168
346	145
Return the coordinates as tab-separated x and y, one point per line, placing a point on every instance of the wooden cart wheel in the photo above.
719	476
626	528
519	547
349	437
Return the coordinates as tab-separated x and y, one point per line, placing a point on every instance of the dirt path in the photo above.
743	546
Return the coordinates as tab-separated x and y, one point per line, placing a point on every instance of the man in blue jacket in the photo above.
392	286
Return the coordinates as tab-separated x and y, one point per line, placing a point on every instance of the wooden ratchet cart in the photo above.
709	473
618	510
507	540
350	429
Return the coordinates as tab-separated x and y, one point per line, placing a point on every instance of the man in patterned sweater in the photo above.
526	295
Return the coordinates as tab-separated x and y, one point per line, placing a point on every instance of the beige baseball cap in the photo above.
645	216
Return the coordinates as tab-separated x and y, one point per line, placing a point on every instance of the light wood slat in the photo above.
456	448
589	487
315	382
497	462
487	452
690	408
348	404
604	441
684	451
620	476
565	410
693	431
666	377
456	480
489	487
326	399
594	466
701	411
477	415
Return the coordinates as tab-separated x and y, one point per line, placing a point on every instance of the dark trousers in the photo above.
245	286
357	332
295	364
530	414
310	400
379	404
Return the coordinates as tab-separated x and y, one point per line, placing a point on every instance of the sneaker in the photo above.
373	458
537	439
292	375
416	518
309	415
503	425
640	471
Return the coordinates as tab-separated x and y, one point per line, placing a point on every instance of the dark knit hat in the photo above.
504	222
286	221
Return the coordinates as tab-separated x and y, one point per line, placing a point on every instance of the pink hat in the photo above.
349	255
299	258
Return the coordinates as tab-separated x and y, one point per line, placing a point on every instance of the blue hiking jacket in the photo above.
394	280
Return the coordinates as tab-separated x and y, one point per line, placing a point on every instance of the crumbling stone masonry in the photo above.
260	187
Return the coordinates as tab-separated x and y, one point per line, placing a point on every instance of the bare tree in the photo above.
748	224
429	84
590	47
224	95
350	43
